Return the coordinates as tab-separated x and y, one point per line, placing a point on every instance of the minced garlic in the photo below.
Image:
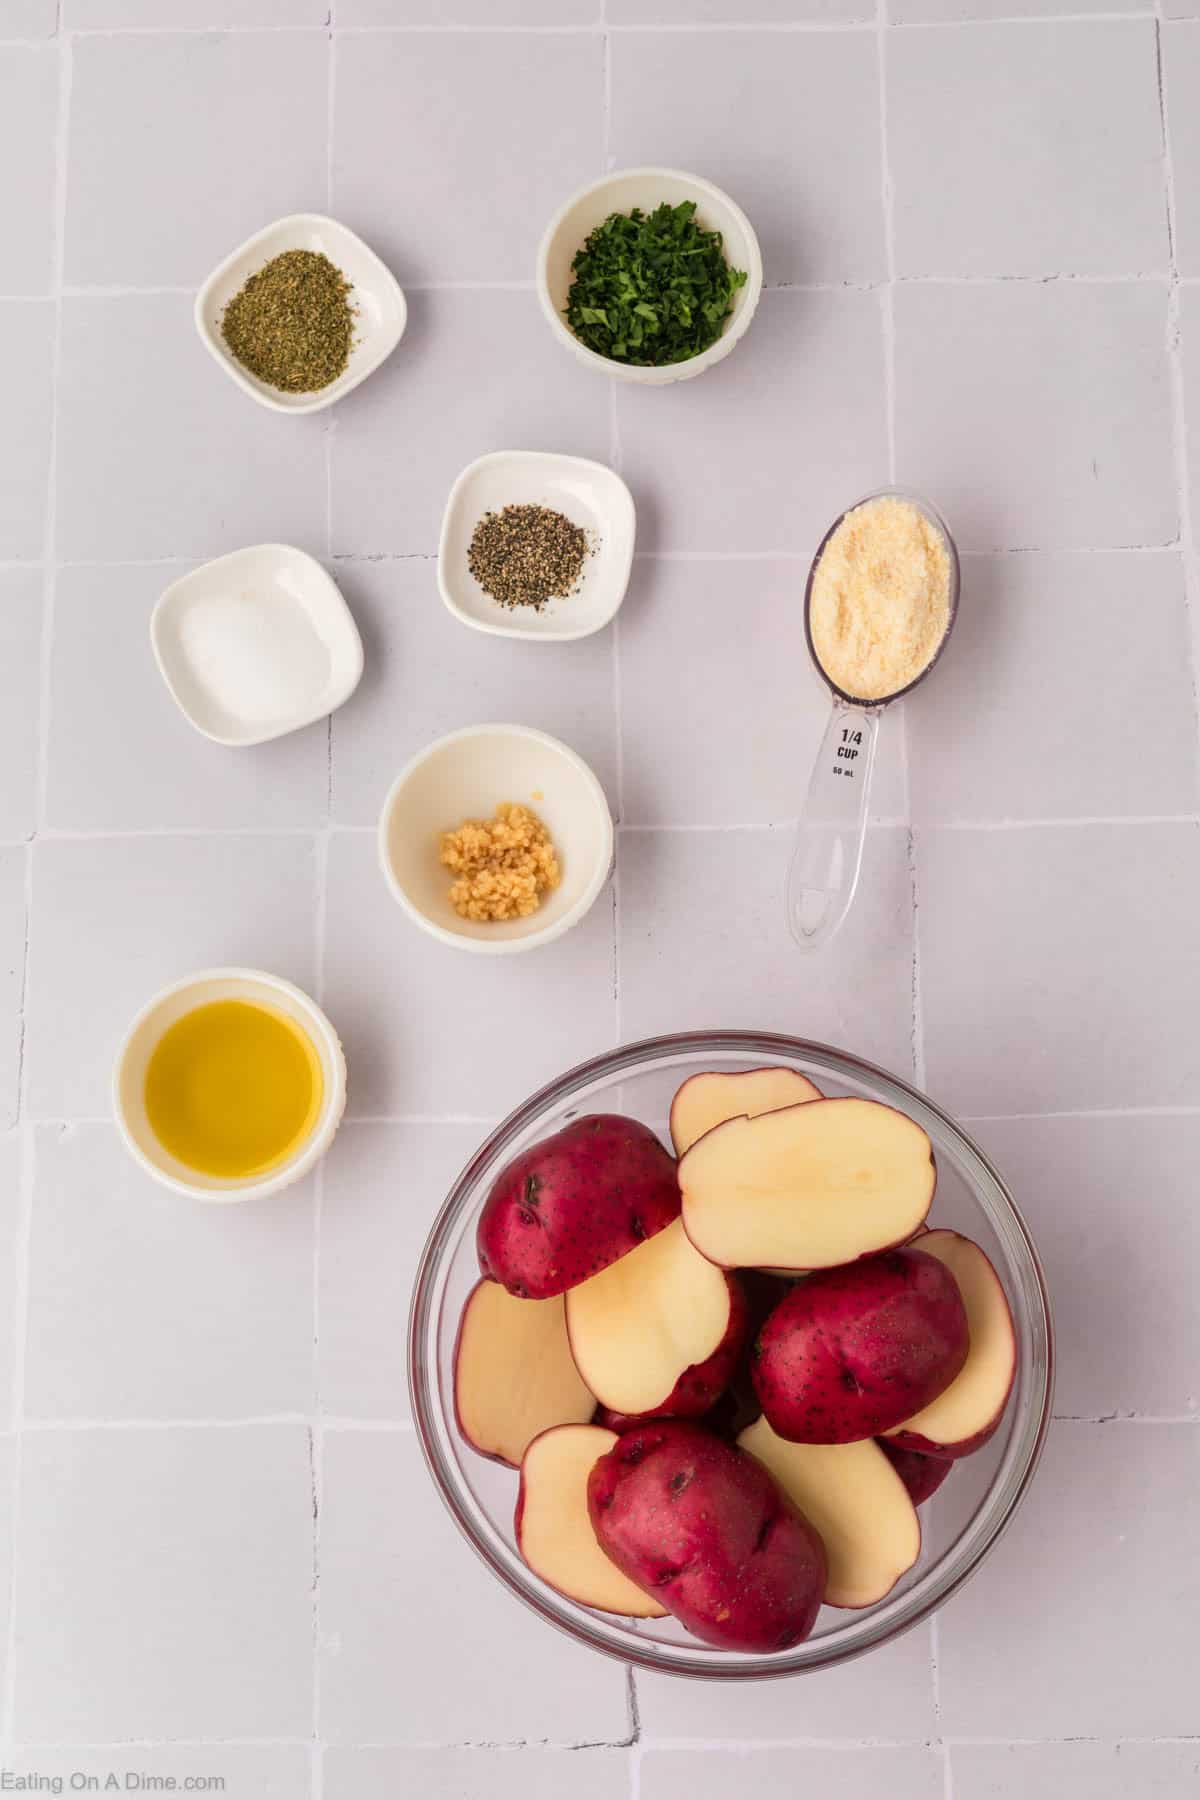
504	866
880	600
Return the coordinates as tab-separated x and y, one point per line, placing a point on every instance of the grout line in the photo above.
741	1747
1102	1112
1082	17
82	1121
783	554
316	1434
947	1772
746	1746
50	541
25	1229
251	1422
20	1337
1091	819
1127	1418
887	200
918	1011
335	1422
339	1422
633	1705
813	27
663	28
636	1756
334	828
618	716
1130	278
1178	389
117	291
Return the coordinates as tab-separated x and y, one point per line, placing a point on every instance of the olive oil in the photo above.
233	1088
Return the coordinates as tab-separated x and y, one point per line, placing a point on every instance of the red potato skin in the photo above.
921	1475
701	1386
952	1453
568	1207
703	1528
853	1351
738	1406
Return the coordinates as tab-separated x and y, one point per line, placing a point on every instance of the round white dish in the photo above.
466	776
647	188
588	493
133	1058
378	298
256	644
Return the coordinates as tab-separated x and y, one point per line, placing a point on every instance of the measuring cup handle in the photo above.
829	841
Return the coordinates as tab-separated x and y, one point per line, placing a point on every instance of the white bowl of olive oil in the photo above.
230	1085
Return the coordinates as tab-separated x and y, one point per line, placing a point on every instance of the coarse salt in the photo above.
255	653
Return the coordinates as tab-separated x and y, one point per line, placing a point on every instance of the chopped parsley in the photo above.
651	288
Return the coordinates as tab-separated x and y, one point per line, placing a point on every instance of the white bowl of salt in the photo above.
256	644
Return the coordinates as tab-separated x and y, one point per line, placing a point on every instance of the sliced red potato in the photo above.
636	1326
807	1187
963	1418
553	1529
514	1375
706	1101
856	1502
921	1475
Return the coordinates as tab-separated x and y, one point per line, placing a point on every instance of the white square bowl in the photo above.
588	493
381	309
213	651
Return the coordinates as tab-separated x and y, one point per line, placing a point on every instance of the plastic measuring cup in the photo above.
827	860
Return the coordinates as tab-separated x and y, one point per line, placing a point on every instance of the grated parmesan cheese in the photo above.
880	600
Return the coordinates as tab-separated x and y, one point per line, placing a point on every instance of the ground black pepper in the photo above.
292	324
527	555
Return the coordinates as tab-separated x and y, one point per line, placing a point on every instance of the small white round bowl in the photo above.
647	188
133	1058
466	776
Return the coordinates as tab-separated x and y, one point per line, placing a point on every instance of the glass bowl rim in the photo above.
894	1616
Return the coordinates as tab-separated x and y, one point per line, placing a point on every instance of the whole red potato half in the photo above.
568	1207
704	1529
851	1352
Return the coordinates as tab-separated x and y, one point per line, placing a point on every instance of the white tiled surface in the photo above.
981	226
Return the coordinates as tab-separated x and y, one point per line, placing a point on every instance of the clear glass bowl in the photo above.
960	1524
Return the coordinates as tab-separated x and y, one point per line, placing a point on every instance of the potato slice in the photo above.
706	1101
857	1503
514	1375
965	1415
636	1326
807	1187
554	1532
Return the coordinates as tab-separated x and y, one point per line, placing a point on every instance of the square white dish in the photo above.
380	307
256	644
588	493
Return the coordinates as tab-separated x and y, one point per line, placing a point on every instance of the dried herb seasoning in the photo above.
526	555
651	288
292	324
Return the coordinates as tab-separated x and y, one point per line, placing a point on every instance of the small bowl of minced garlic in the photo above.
496	839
